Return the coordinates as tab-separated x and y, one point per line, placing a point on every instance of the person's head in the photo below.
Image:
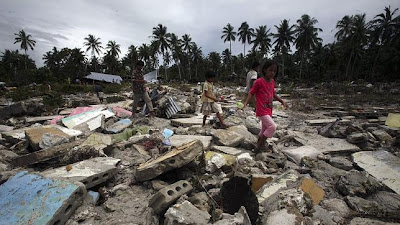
139	65
210	75
255	66
270	69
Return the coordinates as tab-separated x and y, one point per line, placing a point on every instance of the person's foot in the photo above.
151	114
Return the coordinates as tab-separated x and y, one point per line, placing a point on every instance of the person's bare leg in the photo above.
221	120
261	143
204	120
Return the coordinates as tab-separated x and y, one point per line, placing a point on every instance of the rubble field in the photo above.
334	159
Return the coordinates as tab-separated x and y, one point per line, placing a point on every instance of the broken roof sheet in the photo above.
104	77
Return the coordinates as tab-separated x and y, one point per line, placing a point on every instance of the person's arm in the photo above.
281	101
210	97
249	96
137	78
252	82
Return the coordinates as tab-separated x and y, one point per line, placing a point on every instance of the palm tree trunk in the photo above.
179	71
348	64
283	65
190	76
301	64
230	55
26	58
244	50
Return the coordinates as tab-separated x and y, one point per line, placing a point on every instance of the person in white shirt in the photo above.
252	76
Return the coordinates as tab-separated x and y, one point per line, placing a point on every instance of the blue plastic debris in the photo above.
35	200
119	126
167	133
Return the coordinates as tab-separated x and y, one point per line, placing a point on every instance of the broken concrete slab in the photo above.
186	213
321	122
228	150
90	172
176	158
14	136
239	218
227	138
46	154
280	182
35	135
4	128
323	144
393	120
187	122
249	138
98	141
357	138
215	160
32	199
382	135
382	165
165	197
341	163
367	221
178	140
118	126
39	118
356	183
297	154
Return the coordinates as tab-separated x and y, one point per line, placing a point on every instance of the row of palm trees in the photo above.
361	50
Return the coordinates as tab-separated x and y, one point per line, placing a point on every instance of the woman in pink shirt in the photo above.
264	91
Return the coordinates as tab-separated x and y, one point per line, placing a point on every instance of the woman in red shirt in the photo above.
264	91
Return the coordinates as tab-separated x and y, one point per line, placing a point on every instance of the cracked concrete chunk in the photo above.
179	140
297	154
283	217
228	138
382	165
90	172
175	158
186	214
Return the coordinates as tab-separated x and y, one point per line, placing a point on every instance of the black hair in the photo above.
210	74
269	63
140	63
255	64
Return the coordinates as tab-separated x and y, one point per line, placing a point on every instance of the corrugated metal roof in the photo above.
104	77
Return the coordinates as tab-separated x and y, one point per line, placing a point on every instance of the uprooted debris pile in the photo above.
335	166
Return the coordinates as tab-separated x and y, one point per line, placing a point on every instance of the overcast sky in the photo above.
64	23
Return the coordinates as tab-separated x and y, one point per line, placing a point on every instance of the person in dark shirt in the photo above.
139	91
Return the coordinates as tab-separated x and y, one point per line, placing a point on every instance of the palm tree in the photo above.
228	34
176	47
344	28
187	46
144	52
113	48
284	36
226	57
306	37
383	30
245	33
262	40
26	42
197	56
94	44
161	36
214	59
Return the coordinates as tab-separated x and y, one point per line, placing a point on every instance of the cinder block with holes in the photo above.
32	199
173	159
168	195
90	172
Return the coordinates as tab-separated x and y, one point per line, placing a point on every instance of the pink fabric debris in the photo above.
56	119
79	110
120	112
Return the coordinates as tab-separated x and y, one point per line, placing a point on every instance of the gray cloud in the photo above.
66	23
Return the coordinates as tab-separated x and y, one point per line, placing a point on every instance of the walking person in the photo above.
139	90
264	91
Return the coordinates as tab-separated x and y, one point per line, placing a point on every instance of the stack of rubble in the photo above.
96	165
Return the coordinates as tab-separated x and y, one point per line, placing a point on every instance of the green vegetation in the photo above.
368	50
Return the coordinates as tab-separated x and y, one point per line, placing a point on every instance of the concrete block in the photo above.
227	138
186	213
175	158
35	135
45	154
94	196
382	165
14	136
178	140
297	154
284	217
393	120
228	150
31	199
4	128
90	172
168	195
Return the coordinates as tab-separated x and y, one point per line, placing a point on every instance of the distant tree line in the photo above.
361	50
